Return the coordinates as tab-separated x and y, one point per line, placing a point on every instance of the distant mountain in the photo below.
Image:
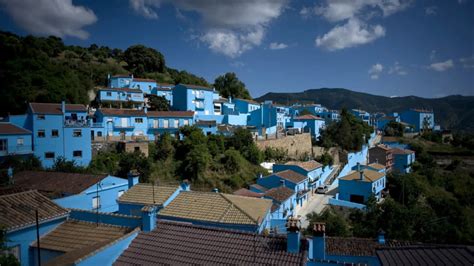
453	112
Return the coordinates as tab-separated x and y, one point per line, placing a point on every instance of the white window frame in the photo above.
176	123
96	203
165	123
20	141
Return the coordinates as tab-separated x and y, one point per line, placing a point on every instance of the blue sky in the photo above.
384	47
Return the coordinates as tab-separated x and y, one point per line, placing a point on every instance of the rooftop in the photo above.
206	122
377	166
18	210
190	86
7	128
55	108
248	193
170	113
279	194
307	117
390	139
352	246
369	176
56	184
247	100
121	89
308	165
122	112
185	244
217	207
259	187
142	193
291	175
143	80
427	255
381	146
402	151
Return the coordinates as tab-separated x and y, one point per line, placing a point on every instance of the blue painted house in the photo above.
126	81
362	115
284	201
311	169
309	124
297	182
199	99
208	127
403	159
160	122
420	119
14	141
245	106
21	231
120	124
164	90
383	121
359	185
58	130
120	95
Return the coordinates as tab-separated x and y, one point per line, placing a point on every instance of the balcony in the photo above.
302	193
200	96
124	126
97	124
76	123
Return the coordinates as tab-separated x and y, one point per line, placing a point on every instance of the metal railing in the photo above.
76	123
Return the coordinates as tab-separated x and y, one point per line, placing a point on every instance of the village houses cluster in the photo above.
84	219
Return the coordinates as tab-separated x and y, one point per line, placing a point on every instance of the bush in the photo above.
325	159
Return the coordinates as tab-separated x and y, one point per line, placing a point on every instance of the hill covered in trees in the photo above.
454	112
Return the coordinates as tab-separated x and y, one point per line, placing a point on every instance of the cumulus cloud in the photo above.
375	71
442	66
431	10
467	62
230	27
397	69
50	17
351	34
277	46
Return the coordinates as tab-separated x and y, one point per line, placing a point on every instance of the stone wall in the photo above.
296	145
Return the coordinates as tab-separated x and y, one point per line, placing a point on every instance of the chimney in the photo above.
148	218
63	107
185	186
133	177
293	239
282	182
381	237
317	248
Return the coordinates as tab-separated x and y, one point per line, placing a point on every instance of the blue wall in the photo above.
13	148
106	218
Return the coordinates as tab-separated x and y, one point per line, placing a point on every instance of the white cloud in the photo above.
442	66
467	62
277	46
431	10
231	27
397	69
375	71
50	17
351	34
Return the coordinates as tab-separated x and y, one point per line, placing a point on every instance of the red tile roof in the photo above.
352	246
291	176
401	151
56	184
165	84
248	193
55	108
186	244
307	165
308	117
170	113
122	89
121	76
196	87
247	100
11	129
427	255
18	210
122	112
206	123
143	80
279	194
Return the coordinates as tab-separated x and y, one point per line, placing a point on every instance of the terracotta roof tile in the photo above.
247	193
402	151
170	114
143	80
291	175
185	244
18	210
142	193
308	117
308	165
427	255
55	108
199	87
259	187
352	246
9	128
206	122
369	176
377	166
122	112
56	184
279	194
248	101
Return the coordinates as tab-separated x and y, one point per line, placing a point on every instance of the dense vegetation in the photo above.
350	133
434	203
45	70
228	85
453	112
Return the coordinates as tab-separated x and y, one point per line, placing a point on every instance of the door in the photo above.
122	135
92	135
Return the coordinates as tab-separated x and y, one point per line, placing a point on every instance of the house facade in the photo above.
120	95
403	160
199	99
420	119
381	154
359	185
14	141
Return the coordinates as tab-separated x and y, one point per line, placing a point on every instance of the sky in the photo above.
384	47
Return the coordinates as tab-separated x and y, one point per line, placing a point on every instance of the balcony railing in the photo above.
97	125
301	193
76	123
123	126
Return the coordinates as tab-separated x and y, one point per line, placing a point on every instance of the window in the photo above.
49	155
165	123
55	133
41	133
138	86
96	202
77	133
77	154
99	134
176	123
40	117
15	251
3	144
20	141
149	87
186	122
120	193
139	120
109	93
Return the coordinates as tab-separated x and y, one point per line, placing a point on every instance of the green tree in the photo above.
158	103
228	85
336	225
141	59
164	147
325	159
394	128
196	162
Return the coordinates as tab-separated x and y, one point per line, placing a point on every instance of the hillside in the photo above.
454	112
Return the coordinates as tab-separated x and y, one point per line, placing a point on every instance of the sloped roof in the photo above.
377	166
56	184
402	151
308	117
291	175
248	101
185	244
170	114
121	89
248	193
217	207
143	80
7	128
142	193
18	210
427	255
390	139
307	165
122	112
279	194
55	108
199	87
353	246
206	122
369	175
259	187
